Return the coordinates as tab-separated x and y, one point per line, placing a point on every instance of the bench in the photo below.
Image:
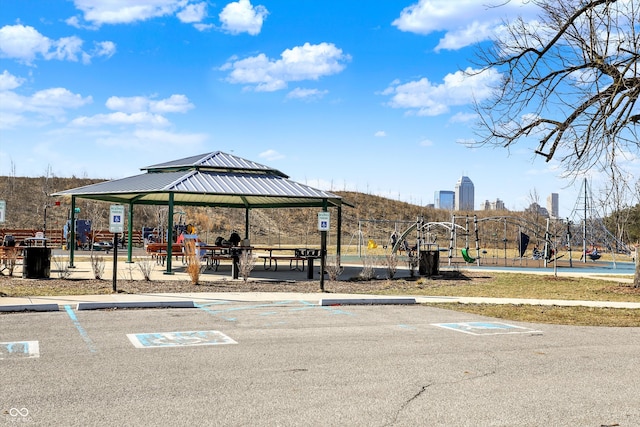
158	251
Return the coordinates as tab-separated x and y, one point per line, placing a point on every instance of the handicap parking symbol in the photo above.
19	349
179	339
486	328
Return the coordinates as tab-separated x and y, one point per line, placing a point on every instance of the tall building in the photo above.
464	194
552	205
444	199
498	205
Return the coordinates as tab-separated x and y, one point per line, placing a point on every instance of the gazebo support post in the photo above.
339	236
323	249
246	222
72	238
130	234
169	235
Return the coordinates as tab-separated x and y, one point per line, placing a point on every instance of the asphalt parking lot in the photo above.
297	363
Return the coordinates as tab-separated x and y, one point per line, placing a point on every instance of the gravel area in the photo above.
14	286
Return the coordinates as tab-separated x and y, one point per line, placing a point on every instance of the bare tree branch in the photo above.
571	82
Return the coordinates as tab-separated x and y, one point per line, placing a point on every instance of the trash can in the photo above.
37	263
429	263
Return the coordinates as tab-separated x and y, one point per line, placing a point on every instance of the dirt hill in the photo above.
27	199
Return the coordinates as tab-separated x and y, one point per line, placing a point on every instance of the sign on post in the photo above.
323	221
3	208
116	219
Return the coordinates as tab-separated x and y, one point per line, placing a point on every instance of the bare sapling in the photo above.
367	268
333	268
97	264
413	263
9	259
391	261
247	262
193	261
146	267
62	267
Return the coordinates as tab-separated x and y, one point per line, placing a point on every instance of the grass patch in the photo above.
577	316
511	285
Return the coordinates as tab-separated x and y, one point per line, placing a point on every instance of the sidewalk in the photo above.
189	300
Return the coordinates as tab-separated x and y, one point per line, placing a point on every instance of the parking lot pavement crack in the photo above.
424	388
408	402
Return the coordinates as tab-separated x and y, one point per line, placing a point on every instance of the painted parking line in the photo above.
81	330
486	328
179	339
19	349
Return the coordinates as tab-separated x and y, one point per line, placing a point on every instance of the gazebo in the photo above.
211	179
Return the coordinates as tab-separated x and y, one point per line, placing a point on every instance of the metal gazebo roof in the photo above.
213	179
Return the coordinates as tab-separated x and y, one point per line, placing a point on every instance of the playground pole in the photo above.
569	242
475	227
466	233
584	225
453	233
546	244
505	242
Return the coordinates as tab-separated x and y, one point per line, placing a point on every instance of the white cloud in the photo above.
137	111
120	118
424	98
193	13
306	94
48	101
242	17
26	44
463	117
464	22
107	49
307	62
9	82
23	43
66	48
426	143
174	104
271	155
100	12
380	134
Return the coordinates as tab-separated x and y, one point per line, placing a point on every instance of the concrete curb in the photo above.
30	307
134	304
366	301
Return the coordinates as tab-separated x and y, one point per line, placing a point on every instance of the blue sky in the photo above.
340	95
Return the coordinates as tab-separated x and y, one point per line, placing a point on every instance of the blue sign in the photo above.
179	339
486	328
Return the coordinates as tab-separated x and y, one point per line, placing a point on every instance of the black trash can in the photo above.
429	263
37	263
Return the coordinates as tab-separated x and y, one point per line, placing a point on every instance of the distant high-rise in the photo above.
552	205
498	205
464	195
444	199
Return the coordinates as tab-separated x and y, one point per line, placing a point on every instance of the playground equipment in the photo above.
586	228
465	255
373	233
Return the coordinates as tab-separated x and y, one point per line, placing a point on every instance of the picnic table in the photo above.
292	255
